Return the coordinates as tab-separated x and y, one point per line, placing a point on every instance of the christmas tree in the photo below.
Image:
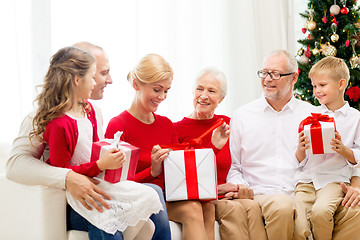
332	28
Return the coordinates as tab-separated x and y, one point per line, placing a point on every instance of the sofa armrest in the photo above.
31	212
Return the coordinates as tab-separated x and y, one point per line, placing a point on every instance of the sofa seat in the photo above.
39	212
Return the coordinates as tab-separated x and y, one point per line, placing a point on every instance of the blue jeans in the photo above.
77	222
160	220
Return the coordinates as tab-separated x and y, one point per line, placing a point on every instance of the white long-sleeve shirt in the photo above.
322	169
26	165
262	144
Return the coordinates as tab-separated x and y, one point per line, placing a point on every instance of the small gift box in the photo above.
127	171
190	174
320	129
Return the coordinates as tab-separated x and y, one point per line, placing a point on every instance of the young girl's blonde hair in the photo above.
151	68
57	95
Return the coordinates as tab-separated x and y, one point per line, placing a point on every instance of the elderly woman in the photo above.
238	218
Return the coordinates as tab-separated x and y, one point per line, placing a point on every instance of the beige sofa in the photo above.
38	212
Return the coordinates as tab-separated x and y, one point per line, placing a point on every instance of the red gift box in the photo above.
320	129
127	171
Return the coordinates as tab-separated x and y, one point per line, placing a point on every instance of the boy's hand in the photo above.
302	146
112	159
337	144
341	149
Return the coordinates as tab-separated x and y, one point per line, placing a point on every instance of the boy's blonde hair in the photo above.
331	66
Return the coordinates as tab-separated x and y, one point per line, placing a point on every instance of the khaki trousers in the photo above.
239	219
278	212
315	210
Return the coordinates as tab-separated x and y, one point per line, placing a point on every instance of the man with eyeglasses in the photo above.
263	140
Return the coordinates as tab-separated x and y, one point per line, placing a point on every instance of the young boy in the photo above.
318	191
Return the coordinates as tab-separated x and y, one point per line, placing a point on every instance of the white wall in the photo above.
190	34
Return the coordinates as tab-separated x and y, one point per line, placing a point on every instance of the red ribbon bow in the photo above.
196	142
315	130
190	159
315	120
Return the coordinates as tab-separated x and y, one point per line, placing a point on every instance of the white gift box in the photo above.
190	174
320	137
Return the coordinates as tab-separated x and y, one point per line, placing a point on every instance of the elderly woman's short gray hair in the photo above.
217	74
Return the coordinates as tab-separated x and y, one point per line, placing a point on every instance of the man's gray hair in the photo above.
292	63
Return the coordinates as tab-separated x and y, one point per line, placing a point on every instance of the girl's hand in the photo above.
112	159
220	136
302	146
157	157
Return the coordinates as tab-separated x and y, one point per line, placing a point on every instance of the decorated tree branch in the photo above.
332	28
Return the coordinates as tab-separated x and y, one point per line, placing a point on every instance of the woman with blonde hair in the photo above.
141	127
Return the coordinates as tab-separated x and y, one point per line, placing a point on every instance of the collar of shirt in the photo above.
267	107
344	109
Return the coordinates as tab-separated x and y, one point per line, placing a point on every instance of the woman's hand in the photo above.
112	159
157	157
220	136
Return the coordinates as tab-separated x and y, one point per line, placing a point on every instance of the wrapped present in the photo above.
320	129
190	171
127	171
190	174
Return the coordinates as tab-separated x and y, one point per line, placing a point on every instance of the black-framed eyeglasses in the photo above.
273	75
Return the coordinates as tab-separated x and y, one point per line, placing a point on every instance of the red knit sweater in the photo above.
143	136
61	135
188	129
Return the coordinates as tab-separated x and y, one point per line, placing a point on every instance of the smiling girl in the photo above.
66	122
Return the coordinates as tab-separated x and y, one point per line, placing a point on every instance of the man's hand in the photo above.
244	192
352	196
84	188
227	188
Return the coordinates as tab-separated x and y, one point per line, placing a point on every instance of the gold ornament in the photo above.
324	48
301	52
316	51
311	25
331	50
334	38
353	60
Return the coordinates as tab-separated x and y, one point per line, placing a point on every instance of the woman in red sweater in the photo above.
238	218
143	128
66	122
